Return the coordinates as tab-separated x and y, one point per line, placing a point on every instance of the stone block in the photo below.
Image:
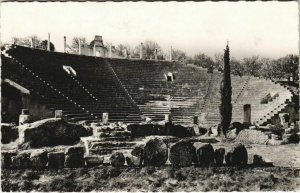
21	161
290	138
39	159
205	154
219	156
155	152
74	157
182	154
56	160
92	161
238	155
6	159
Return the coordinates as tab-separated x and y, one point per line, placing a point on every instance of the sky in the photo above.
267	29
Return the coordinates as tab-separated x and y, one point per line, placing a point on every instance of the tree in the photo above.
226	92
236	67
204	61
178	55
44	44
288	67
149	49
27	41
75	43
252	65
219	61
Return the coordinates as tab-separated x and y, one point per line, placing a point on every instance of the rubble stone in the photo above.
9	133
155	152
21	160
94	160
252	137
74	157
238	155
6	159
219	156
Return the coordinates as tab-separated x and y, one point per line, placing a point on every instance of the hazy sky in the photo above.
267	29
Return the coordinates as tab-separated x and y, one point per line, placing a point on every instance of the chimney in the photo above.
171	53
65	44
79	46
141	51
48	43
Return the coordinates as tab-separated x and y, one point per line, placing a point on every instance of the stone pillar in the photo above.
24	117
65	44
109	50
168	118
155	54
31	42
94	49
58	113
79	47
48	43
105	118
141	51
125	53
202	118
171	53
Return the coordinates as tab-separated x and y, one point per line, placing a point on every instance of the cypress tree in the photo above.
226	92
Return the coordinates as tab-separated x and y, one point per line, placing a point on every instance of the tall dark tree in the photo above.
226	91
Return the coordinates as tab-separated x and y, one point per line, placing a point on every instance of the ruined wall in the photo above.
13	101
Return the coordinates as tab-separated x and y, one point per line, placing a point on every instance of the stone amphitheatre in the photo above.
93	113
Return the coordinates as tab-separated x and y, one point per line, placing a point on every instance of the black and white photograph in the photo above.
150	96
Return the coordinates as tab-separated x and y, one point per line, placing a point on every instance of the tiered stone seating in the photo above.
94	89
194	91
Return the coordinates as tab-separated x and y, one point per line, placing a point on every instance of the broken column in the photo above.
31	42
110	50
79	47
65	44
58	113
171	53
24	117
105	118
48	43
141	51
155	54
168	118
94	49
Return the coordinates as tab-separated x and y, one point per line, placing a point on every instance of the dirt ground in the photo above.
285	176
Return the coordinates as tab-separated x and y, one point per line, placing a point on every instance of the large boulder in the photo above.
21	161
39	159
182	154
155	152
237	155
137	156
219	156
56	160
74	157
52	132
205	154
6	159
117	159
252	137
9	133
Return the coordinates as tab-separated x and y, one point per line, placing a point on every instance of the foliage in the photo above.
27	41
179	55
226	92
204	61
43	45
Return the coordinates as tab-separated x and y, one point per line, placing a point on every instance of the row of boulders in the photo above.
142	130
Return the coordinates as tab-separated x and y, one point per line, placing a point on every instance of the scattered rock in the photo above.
155	152
259	161
275	142
205	154
219	156
134	161
56	160
21	161
182	154
39	159
117	159
231	134
74	157
228	158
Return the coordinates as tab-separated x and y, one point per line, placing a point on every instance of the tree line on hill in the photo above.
275	69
